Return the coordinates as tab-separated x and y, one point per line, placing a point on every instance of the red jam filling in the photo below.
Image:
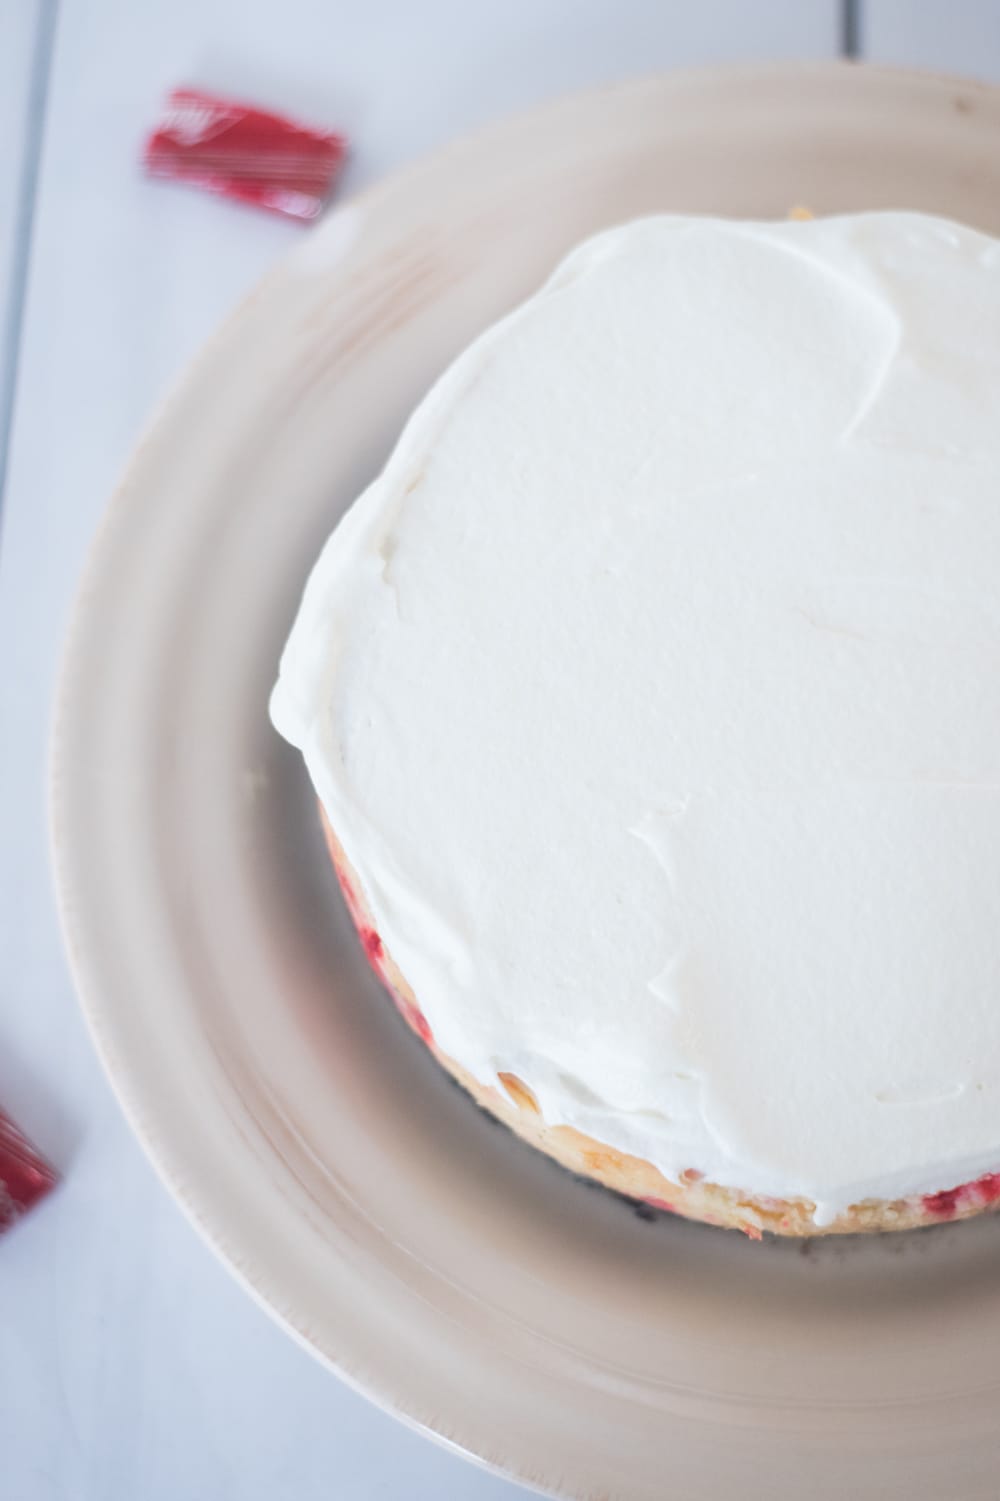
979	1194
372	946
945	1205
415	1017
375	954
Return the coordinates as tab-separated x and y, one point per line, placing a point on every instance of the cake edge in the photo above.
513	1103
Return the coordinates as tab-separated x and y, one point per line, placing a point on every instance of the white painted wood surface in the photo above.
947	36
130	1364
19	24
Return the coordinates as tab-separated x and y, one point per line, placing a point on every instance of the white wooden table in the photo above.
131	1366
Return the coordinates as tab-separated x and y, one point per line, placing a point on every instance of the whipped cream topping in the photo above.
653	690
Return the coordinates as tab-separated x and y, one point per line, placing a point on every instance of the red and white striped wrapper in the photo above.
242	152
25	1176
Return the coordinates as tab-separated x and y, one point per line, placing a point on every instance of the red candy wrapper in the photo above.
245	153
24	1176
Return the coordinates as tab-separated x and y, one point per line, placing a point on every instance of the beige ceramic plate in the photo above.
454	1275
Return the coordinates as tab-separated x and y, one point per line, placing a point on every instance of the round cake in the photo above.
651	695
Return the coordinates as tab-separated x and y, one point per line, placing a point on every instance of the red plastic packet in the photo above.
245	153
25	1177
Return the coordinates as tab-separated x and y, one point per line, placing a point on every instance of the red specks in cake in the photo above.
375	953
944	1204
372	945
661	1204
350	896
753	1232
979	1194
370	939
414	1017
988	1187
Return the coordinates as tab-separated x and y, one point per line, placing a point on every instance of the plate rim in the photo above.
85	962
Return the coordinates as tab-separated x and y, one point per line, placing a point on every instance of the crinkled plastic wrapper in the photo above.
25	1176
245	153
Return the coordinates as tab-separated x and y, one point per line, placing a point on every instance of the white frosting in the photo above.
654	692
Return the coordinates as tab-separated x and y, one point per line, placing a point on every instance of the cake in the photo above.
651	696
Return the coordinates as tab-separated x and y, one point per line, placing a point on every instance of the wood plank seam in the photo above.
36	109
